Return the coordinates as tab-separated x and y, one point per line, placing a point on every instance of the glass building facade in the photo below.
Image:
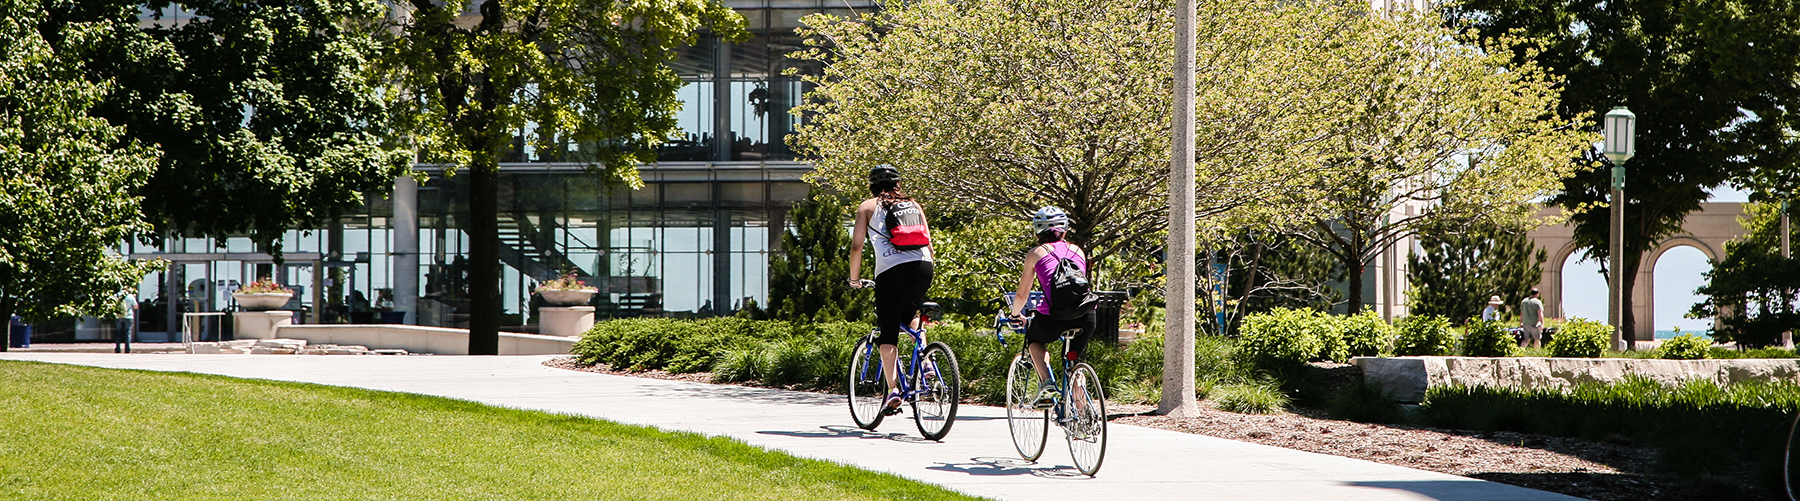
695	241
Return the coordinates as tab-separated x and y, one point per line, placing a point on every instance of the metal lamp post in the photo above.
1621	143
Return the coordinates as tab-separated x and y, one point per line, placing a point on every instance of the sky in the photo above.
1677	274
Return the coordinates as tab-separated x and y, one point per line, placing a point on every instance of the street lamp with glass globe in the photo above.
1620	128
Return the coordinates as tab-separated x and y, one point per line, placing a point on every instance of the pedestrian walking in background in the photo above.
124	320
1492	312
1531	318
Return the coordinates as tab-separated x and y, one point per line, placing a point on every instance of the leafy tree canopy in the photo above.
66	180
262	109
1431	119
1715	85
1462	268
999	107
593	73
1753	290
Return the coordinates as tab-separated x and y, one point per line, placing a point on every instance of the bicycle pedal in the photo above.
890	412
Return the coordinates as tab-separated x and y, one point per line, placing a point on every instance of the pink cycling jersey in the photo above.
1046	268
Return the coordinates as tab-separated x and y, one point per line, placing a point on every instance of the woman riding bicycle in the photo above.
1052	226
902	274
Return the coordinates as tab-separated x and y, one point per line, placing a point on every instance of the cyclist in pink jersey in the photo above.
1052	226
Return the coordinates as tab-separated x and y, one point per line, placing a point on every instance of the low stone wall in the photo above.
1407	378
417	339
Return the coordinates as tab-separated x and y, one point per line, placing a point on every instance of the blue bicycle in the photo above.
1079	406
930	380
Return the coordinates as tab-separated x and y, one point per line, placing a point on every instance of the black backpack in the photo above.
1071	296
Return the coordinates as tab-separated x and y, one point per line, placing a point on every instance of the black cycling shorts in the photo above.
899	292
1044	329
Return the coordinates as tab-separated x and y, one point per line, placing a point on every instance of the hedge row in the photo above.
816	356
1700	429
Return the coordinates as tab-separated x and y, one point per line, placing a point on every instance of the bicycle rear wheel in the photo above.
1087	424
1029	426
1790	470
940	390
866	387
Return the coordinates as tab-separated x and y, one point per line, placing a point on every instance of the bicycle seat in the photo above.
931	311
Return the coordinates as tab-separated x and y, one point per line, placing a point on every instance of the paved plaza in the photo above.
976	458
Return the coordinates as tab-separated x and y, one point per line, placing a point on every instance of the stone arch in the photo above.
1646	302
1706	229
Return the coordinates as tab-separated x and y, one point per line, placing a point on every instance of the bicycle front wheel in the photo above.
1087	419
940	389
1029	425
866	387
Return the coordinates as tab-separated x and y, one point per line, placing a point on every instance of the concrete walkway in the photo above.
977	457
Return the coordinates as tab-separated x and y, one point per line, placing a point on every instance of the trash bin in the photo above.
21	333
1106	316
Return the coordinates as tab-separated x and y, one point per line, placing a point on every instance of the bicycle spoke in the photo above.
1029	426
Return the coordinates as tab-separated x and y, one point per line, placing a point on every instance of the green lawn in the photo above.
89	434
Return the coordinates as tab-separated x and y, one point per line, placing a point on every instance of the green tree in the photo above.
263	109
1712	83
808	279
588	72
1431	120
1752	291
66	181
1462	267
978	259
1002	106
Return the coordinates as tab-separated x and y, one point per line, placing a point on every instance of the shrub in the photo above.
1281	338
1684	347
1367	403
1424	335
1331	339
1249	398
1580	337
741	364
1366	335
1700	429
1488	339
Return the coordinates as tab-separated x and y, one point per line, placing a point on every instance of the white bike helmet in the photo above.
1049	217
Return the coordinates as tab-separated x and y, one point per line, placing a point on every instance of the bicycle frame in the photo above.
904	372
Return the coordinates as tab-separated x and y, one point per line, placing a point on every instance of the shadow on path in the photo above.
841	431
993	467
1459	490
742	393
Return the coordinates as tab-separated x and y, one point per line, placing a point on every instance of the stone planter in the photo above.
262	301
567	298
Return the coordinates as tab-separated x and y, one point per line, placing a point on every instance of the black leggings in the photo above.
1046	330
898	293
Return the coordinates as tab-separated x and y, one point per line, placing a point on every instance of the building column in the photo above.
722	140
721	254
403	258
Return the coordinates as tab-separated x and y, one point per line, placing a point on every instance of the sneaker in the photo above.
1046	396
892	405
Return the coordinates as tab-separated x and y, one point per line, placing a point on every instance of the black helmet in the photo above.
884	173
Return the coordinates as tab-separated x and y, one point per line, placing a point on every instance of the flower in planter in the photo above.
264	286
567	282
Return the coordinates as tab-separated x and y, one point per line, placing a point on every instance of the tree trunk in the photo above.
1628	279
484	256
6	313
1354	278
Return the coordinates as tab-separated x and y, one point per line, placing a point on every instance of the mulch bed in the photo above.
1604	471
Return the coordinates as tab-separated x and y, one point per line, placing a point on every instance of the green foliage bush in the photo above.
1249	398
1366	334
1684	347
1424	335
1580	337
1488	339
1282	338
1700	429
